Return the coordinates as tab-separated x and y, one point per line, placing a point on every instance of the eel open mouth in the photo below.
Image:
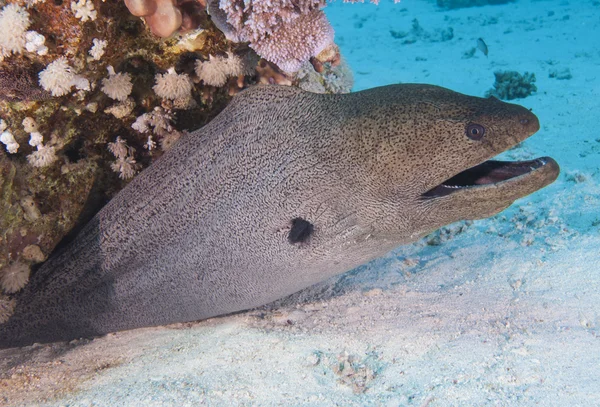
487	173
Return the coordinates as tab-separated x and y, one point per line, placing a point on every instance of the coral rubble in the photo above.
512	85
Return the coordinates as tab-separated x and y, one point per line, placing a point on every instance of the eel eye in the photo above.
475	131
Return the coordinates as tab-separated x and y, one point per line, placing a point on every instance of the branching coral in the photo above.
254	20
292	45
125	164
159	122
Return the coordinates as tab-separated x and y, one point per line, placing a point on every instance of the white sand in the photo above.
502	312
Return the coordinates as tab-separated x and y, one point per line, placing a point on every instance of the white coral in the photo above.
9	141
29	124
233	65
150	144
159	121
58	78
81	83
43	156
97	49
36	43
119	148
35	139
84	10
14	277
125	164
118	85
126	167
121	109
217	69
172	85
142	123
14	21
211	72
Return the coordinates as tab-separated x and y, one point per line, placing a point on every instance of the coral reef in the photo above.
561	75
90	94
512	85
62	102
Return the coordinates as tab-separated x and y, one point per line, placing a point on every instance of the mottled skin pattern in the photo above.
204	231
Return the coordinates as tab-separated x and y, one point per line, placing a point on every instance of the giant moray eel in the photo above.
282	190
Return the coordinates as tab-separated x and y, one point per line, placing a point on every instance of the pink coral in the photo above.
286	32
292	45
256	19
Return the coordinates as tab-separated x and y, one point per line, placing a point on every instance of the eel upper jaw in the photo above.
493	174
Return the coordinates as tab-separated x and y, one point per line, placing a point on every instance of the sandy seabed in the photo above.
500	312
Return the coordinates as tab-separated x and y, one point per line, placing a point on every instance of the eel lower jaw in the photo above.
492	173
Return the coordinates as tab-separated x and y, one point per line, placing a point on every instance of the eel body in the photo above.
282	190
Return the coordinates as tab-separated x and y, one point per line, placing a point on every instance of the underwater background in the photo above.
498	312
